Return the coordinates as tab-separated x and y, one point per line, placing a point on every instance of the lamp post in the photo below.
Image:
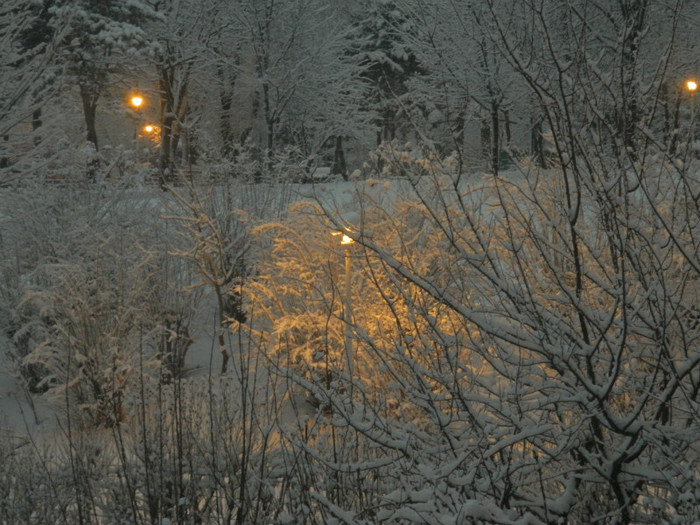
692	88
136	101
346	241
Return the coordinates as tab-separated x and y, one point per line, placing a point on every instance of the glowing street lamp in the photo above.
692	88
347	241
136	101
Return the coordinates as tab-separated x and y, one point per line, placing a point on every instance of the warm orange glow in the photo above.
692	85
136	101
345	239
150	132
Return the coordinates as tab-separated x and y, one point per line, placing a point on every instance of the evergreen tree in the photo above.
381	41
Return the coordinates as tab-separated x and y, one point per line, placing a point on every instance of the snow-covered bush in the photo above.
395	160
214	224
300	291
541	368
515	358
92	294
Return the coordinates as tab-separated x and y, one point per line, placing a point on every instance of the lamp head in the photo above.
344	239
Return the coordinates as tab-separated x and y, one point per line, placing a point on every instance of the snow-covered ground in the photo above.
23	414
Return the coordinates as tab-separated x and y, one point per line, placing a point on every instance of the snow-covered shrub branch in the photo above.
540	373
214	226
90	290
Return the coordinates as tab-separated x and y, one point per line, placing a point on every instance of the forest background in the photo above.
375	261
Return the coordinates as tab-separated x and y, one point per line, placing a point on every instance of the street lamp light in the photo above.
136	101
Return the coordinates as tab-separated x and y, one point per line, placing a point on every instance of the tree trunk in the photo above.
36	124
89	98
537	142
339	166
495	142
177	128
4	161
165	162
506	122
36	119
458	130
672	119
485	136
173	82
270	127
226	101
634	12
220	328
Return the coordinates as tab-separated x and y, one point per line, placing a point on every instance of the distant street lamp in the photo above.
692	88
136	101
